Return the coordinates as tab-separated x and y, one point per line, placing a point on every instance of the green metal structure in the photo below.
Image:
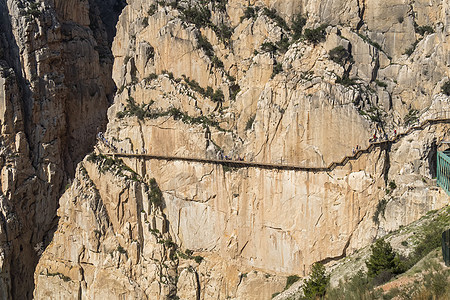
443	170
446	247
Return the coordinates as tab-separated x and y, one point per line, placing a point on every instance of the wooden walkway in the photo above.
442	117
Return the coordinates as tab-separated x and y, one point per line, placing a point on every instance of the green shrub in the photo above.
383	262
218	96
291	280
346	81
446	88
216	62
121	250
272	14
132	109
277	68
198	259
33	10
392	185
153	8
316	286
234	90
199	16
224	33
283	45
340	55
435	282
145	21
316	35
430	239
422	30
297	26
204	44
381	206
368	40
249	13
220	5
250	122
209	92
155	195
380	83
150	77
411	117
195	86
268	47
60	275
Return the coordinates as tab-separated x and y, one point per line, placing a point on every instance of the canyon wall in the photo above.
55	83
235	78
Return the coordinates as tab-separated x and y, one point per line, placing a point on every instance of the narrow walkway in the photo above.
440	117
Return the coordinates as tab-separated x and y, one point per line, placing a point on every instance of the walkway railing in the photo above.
439	117
443	170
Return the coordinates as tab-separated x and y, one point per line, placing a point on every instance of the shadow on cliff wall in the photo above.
24	224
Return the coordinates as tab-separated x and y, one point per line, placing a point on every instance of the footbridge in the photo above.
439	117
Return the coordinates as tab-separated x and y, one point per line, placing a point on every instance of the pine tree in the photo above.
315	287
383	258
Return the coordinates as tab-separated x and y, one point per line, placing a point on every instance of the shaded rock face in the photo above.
55	87
217	232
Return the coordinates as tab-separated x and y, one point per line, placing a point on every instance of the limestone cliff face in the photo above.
267	94
55	83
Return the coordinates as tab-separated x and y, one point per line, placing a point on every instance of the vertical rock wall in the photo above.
55	67
220	232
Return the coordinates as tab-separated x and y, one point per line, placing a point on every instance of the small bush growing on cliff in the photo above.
422	30
121	250
340	55
381	206
297	26
33	10
198	259
153	8
380	83
316	286
268	47
249	13
204	44
291	280
277	68
446	88
234	90
154	195
345	80
316	35
216	62
272	14
197	15
250	122
411	117
218	96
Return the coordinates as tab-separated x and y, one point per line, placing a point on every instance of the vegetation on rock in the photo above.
316	286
